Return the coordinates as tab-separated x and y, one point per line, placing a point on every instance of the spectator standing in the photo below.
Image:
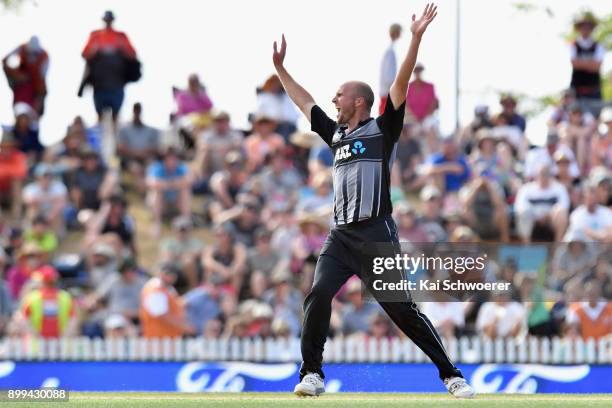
27	78
13	171
586	56
110	59
388	67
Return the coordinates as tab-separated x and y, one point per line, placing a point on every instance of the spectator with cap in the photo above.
286	301
27	75
308	243
481	120
47	196
224	262
487	160
280	181
273	101
102	261
543	203
117	326
245	218
42	235
564	176
431	217
409	228
91	183
169	183
137	145
46	310
388	67
13	171
592	318
601	178
299	152
262	142
110	57
573	258
591	219
183	250
215	143
119	294
162	311
508	104
262	257
28	259
544	155
586	55
26	132
601	143
227	183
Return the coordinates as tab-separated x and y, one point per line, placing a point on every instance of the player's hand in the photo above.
278	57
419	26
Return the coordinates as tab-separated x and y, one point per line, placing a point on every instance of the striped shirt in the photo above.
363	159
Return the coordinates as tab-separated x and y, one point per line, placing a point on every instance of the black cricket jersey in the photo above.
363	159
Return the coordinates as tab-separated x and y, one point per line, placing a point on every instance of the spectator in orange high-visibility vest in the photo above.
592	318
162	313
48	311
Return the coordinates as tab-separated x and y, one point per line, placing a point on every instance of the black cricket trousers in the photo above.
338	261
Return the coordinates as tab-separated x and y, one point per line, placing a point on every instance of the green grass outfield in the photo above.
288	400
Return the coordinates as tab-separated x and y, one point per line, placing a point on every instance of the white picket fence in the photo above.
351	349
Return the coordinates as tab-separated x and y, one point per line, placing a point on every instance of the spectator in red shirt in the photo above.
13	170
421	99
110	56
27	78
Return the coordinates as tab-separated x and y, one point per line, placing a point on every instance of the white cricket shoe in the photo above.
311	386
459	388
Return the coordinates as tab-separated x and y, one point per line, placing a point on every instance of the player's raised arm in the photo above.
418	27
298	95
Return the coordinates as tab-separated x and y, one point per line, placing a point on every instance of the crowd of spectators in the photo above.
238	216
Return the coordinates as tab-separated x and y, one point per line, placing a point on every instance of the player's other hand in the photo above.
278	57
419	26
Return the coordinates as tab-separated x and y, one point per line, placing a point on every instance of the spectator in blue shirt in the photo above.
450	166
169	184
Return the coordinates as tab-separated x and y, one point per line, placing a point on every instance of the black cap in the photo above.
108	16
